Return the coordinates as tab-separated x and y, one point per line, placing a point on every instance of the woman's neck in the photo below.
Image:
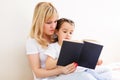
48	38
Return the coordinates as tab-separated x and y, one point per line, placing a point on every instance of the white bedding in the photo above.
116	75
115	70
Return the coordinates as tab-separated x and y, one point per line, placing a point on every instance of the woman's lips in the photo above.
51	30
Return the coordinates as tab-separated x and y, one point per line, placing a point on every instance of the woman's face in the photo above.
65	32
49	26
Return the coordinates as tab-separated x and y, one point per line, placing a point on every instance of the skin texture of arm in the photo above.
43	73
51	63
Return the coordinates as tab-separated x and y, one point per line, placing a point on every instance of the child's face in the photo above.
65	32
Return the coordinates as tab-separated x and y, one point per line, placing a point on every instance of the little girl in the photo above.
64	31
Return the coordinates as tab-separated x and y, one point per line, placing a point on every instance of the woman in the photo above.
41	35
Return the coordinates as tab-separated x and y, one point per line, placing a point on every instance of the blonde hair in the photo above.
43	11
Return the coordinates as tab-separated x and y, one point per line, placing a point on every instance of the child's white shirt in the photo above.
53	50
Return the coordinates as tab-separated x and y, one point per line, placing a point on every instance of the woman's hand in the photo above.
69	68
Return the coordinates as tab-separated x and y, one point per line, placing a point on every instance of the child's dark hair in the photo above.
60	22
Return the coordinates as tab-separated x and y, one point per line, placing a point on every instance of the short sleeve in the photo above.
32	46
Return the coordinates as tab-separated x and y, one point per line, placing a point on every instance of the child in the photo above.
64	31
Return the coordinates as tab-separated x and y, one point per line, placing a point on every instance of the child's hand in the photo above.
68	69
99	62
51	63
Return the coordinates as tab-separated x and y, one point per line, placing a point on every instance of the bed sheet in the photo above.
115	70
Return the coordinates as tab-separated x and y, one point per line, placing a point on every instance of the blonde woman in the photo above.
41	35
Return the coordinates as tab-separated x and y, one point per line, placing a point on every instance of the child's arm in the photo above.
51	63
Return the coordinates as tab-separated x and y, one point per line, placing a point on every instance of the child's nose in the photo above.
68	34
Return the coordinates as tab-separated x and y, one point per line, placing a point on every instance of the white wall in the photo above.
95	19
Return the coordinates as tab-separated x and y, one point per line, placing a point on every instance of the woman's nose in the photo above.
53	25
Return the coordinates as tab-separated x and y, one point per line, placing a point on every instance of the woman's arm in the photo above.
36	67
42	73
51	63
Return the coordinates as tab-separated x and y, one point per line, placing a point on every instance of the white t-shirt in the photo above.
32	47
53	50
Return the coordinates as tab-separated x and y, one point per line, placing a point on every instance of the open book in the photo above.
86	54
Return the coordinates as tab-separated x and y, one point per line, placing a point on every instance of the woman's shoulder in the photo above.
32	42
31	39
32	46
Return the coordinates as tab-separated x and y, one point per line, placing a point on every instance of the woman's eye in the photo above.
55	21
48	22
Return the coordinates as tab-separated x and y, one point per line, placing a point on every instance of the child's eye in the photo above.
65	31
71	32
